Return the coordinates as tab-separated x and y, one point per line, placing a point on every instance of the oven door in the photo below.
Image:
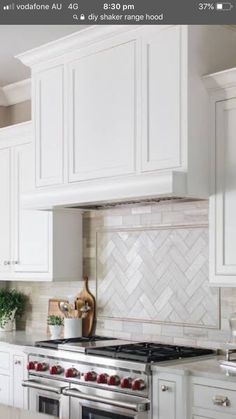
93	403
45	396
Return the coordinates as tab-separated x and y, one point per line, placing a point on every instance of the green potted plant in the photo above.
12	306
55	324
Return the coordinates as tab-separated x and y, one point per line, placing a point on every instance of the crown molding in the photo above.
15	93
71	42
221	80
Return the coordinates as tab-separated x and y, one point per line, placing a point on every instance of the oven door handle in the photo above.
137	407
39	386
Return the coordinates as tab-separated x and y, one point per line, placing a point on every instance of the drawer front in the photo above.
4	361
214	398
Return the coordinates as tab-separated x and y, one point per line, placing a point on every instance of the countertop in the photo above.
208	368
20	338
7	412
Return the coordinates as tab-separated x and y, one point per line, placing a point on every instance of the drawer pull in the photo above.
164	388
221	401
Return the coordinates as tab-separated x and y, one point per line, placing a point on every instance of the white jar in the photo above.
72	328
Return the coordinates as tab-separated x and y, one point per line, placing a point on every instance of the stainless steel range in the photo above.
97	378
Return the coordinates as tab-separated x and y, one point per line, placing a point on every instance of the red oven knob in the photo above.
113	380
90	376
102	378
31	365
126	382
138	384
55	369
71	372
41	366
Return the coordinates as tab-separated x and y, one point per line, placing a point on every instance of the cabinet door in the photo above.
5	210
4	389
19	394
32	228
167	399
223	199
161	99
49	126
102	112
170	398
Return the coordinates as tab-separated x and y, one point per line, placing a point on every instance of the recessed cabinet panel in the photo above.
5	210
161	63
167	400
4	389
223	202
18	377
32	227
49	126
102	113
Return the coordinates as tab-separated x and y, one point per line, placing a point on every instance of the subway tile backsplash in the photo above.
146	290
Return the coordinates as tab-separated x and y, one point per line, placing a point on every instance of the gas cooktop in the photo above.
77	342
148	352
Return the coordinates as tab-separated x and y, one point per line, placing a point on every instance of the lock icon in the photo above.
82	17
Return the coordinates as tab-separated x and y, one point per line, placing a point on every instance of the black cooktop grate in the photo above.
53	343
148	352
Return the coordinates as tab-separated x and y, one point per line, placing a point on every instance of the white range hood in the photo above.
125	189
103	135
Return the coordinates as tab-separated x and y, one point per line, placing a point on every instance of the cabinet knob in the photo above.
164	388
16	262
6	262
17	362
221	401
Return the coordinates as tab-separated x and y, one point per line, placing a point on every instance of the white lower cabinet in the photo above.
19	393
12	373
169	396
34	245
213	399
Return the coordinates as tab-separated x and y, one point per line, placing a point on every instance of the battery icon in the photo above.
225	7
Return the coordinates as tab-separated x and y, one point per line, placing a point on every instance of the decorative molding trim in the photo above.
221	80
15	93
71	42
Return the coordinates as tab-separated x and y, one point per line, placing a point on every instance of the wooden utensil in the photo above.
85	304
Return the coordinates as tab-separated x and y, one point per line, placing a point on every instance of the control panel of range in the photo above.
120	379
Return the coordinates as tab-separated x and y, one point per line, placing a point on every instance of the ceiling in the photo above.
15	39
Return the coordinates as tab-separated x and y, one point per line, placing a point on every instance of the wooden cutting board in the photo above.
88	323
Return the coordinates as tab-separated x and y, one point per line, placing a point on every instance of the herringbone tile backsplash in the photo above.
157	275
151	267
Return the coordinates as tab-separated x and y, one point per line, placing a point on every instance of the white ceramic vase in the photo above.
8	325
55	331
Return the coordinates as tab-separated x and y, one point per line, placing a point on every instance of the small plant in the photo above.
12	305
55	320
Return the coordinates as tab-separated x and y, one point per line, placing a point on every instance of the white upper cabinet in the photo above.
161	99
34	245
31	227
5	210
223	191
48	106
121	113
102	111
